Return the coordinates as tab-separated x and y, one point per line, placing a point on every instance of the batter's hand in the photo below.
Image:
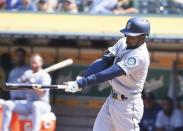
72	86
79	77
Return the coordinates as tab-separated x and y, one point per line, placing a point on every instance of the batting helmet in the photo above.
136	26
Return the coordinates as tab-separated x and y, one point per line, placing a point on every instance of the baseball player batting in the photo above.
125	66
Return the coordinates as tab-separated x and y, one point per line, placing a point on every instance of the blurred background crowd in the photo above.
95	6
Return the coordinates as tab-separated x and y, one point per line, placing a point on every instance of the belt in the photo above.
118	96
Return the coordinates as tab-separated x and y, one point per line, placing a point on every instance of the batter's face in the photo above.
134	41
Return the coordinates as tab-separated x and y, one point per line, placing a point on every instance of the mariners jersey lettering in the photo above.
134	62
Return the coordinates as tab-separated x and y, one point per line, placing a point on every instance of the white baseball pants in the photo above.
118	115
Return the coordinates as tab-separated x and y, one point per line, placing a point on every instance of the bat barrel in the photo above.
59	65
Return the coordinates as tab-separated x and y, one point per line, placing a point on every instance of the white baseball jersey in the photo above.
135	63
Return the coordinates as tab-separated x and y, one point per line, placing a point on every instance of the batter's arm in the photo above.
105	75
100	64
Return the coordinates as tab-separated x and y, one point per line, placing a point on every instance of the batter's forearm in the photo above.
107	74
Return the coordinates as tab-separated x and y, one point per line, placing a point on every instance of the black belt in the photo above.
118	96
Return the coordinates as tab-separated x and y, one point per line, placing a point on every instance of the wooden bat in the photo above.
59	65
54	67
21	86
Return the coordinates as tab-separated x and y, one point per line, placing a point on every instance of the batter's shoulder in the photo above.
122	41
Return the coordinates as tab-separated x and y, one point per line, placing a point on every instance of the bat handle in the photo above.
61	86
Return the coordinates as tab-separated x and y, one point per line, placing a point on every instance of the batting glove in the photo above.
72	86
79	77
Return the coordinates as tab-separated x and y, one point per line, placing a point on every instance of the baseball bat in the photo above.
21	86
59	65
50	69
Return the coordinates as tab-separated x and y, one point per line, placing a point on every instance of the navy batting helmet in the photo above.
136	26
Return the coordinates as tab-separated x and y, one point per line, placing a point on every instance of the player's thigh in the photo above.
103	120
126	115
41	106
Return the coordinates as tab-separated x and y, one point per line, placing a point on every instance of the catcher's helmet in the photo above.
136	26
